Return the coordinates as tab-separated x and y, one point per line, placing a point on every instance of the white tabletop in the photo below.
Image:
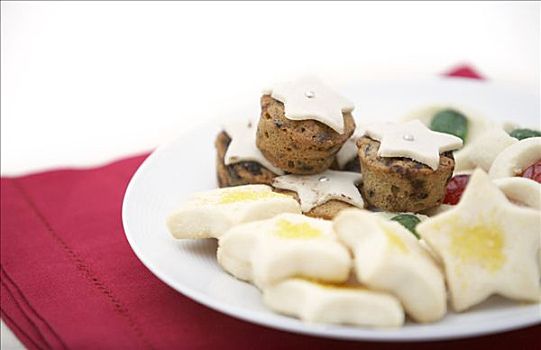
87	82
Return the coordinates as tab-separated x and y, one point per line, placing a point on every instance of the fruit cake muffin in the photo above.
303	125
238	161
405	166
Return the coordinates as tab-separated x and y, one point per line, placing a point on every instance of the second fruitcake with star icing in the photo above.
238	161
303	125
405	167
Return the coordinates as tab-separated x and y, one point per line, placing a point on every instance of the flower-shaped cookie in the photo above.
412	140
487	244
513	160
314	190
389	258
308	98
211	213
328	303
288	245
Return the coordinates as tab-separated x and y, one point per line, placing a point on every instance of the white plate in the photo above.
174	171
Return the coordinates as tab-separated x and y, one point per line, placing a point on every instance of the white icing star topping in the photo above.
314	190
348	151
412	140
487	244
308	98
242	147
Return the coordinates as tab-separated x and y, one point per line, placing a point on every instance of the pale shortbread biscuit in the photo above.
486	147
488	245
337	304
513	160
389	258
211	213
521	191
288	245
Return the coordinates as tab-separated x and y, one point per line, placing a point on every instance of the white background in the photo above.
87	82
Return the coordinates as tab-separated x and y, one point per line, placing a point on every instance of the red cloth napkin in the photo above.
70	280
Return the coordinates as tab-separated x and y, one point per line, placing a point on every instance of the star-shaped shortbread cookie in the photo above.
387	257
312	301
412	140
242	147
314	190
209	214
288	245
487	244
308	98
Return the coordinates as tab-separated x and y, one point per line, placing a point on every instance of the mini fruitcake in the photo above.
241	173
296	134
405	166
401	184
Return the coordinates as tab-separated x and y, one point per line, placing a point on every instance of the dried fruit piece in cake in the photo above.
238	160
389	258
322	195
288	245
303	125
405	166
313	301
487	244
211	213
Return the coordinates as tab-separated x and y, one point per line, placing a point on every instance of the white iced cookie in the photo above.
337	304
242	147
389	258
412	140
308	98
476	126
288	245
521	191
314	190
513	160
488	245
211	213
488	145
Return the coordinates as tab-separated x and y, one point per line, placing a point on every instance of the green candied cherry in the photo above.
451	122
409	221
522	134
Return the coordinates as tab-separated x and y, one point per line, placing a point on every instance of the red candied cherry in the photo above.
455	188
533	171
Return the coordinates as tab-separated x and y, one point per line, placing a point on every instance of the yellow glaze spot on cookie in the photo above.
303	230
243	196
394	240
480	244
335	286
